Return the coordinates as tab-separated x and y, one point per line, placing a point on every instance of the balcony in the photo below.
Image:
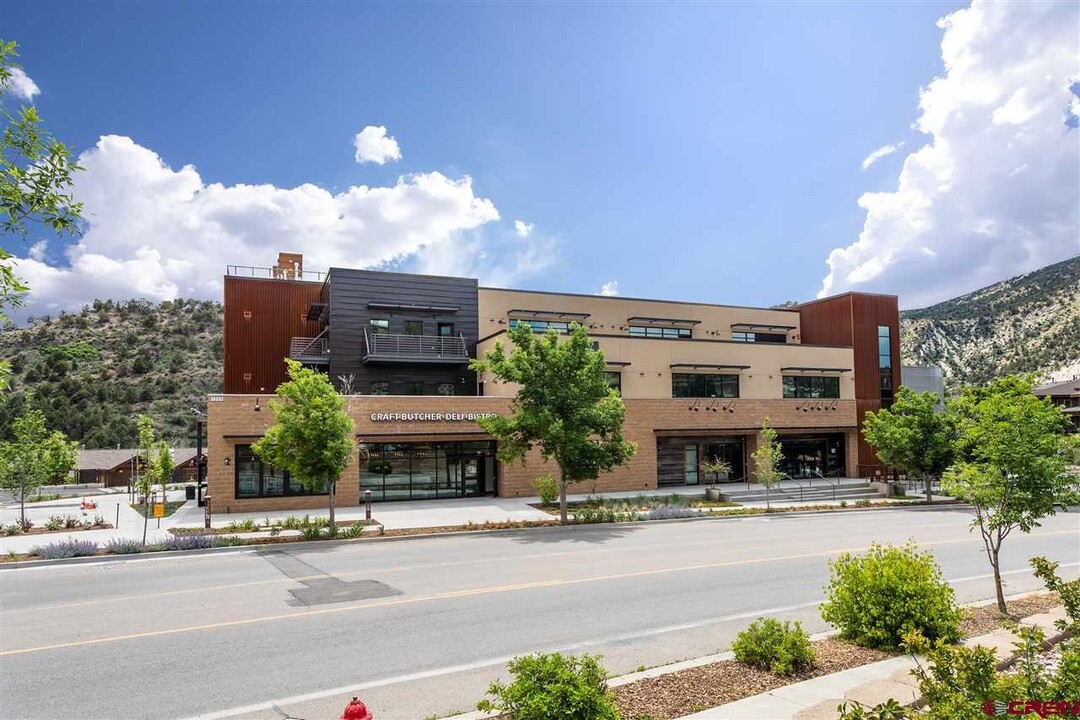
384	347
310	351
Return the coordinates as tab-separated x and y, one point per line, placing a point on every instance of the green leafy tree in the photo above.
35	179
1011	469
911	436
34	457
767	459
144	478
563	406
162	469
313	436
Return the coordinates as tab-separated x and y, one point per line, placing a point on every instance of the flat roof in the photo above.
622	298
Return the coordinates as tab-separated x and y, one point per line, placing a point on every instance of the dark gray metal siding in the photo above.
350	291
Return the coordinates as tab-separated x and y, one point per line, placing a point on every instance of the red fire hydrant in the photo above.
356	710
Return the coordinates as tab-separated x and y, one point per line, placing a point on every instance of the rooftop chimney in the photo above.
290	266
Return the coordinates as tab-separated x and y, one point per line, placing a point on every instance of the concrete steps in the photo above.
820	491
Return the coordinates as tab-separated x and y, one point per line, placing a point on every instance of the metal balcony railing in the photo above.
415	348
273	273
309	350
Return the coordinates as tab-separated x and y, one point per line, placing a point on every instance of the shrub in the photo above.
668	512
354	530
122	546
55	522
877	598
548	490
769	644
546	686
862	503
228	541
1067	590
899	490
13	529
245	525
65	549
311	532
192	542
843	503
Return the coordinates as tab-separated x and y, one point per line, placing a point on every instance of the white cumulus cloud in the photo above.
20	85
880	153
993	191
160	233
374	145
610	288
522	228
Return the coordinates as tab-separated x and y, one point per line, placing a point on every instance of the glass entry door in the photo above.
729	452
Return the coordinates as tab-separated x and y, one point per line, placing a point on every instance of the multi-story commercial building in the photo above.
1066	395
697	380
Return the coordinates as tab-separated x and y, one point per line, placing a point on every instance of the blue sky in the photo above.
706	152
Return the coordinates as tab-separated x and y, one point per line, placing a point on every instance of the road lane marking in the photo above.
368	572
453	594
490	662
498	661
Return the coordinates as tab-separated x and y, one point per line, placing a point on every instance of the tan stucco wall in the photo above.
649	373
232	420
608	315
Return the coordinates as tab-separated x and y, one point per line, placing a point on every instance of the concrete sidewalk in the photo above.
818	699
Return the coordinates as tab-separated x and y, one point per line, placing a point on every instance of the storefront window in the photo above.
704	386
421	471
802	386
255	479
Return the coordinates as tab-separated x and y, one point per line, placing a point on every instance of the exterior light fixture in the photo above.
227	461
257	408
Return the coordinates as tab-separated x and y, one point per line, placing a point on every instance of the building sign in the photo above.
430	417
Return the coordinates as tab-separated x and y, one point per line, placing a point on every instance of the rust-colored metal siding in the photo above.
853	319
261	316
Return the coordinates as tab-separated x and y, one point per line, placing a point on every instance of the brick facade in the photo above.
232	420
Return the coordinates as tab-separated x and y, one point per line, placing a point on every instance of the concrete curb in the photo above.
661	670
316	544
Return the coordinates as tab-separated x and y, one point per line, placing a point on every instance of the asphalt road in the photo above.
419	627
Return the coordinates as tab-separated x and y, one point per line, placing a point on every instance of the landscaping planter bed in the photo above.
695	689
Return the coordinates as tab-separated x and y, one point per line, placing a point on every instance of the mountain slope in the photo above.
93	372
1030	323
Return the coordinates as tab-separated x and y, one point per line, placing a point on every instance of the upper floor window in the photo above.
414	327
885	379
759	337
445	388
380	387
667	333
614	380
414	387
803	386
445	329
704	386
379	326
542	326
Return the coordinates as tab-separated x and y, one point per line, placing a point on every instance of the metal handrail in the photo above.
415	346
274	273
300	347
797	483
833	485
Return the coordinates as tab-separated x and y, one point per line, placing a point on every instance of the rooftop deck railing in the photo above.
273	273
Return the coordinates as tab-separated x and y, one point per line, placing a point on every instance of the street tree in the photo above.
767	459
564	406
35	457
313	436
36	173
143	480
911	436
1011	467
162	469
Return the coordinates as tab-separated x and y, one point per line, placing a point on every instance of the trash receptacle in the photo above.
189	492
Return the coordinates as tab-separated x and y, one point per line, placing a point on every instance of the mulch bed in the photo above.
986	619
41	530
695	689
